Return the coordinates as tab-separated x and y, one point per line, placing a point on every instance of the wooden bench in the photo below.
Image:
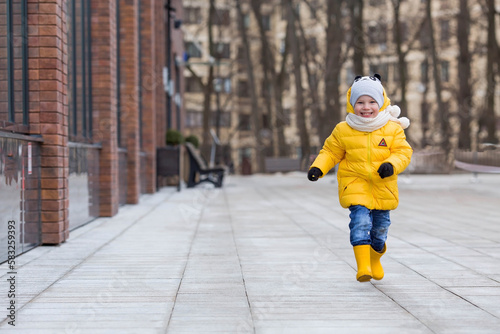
281	164
199	171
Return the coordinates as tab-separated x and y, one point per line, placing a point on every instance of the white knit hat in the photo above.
369	85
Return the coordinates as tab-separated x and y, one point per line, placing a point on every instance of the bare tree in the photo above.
299	90
442	112
334	61
256	116
402	70
312	77
492	62
356	7
464	98
208	86
424	105
275	84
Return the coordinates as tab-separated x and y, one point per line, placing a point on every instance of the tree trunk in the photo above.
424	107
208	89
268	66
278	101
492	58
442	112
256	116
464	98
334	37
312	80
356	7
401	58
299	91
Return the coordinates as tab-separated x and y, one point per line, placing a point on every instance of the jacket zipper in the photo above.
370	183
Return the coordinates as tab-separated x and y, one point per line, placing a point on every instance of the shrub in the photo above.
174	137
193	140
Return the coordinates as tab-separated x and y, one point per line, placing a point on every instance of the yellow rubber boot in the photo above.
362	254
377	270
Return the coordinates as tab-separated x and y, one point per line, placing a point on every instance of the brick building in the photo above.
83	107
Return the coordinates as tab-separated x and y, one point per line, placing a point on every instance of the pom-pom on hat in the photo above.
368	85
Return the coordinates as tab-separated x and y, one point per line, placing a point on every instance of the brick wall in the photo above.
104	101
149	83
47	44
48	101
160	61
130	94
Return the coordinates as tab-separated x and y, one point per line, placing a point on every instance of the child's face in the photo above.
366	107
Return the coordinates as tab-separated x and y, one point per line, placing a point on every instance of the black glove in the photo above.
385	170
314	174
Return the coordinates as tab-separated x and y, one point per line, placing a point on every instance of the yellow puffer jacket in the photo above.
360	155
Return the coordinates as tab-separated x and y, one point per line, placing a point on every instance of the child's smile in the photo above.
366	107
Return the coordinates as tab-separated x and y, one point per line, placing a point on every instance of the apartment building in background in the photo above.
83	107
229	66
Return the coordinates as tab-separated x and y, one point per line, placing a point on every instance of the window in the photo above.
282	46
425	36
193	85
194	119
244	123
241	54
445	30
377	33
225	119
227	85
424	71
13	66
266	22
192	15
246	21
265	90
79	73
403	29
243	88
445	71
222	85
222	17
192	49
221	50
266	121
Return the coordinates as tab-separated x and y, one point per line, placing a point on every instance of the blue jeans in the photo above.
369	227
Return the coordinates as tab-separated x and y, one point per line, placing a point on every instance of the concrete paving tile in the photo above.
71	329
89	326
477	290
54	307
340	330
345	325
254	257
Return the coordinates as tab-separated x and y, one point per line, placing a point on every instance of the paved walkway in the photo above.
269	254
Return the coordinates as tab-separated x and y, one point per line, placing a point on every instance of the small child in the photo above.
372	150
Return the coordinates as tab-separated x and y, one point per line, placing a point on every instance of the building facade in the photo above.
83	107
233	101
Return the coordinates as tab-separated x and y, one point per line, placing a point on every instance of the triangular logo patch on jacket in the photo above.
382	143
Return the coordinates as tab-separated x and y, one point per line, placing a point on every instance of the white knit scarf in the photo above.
390	113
